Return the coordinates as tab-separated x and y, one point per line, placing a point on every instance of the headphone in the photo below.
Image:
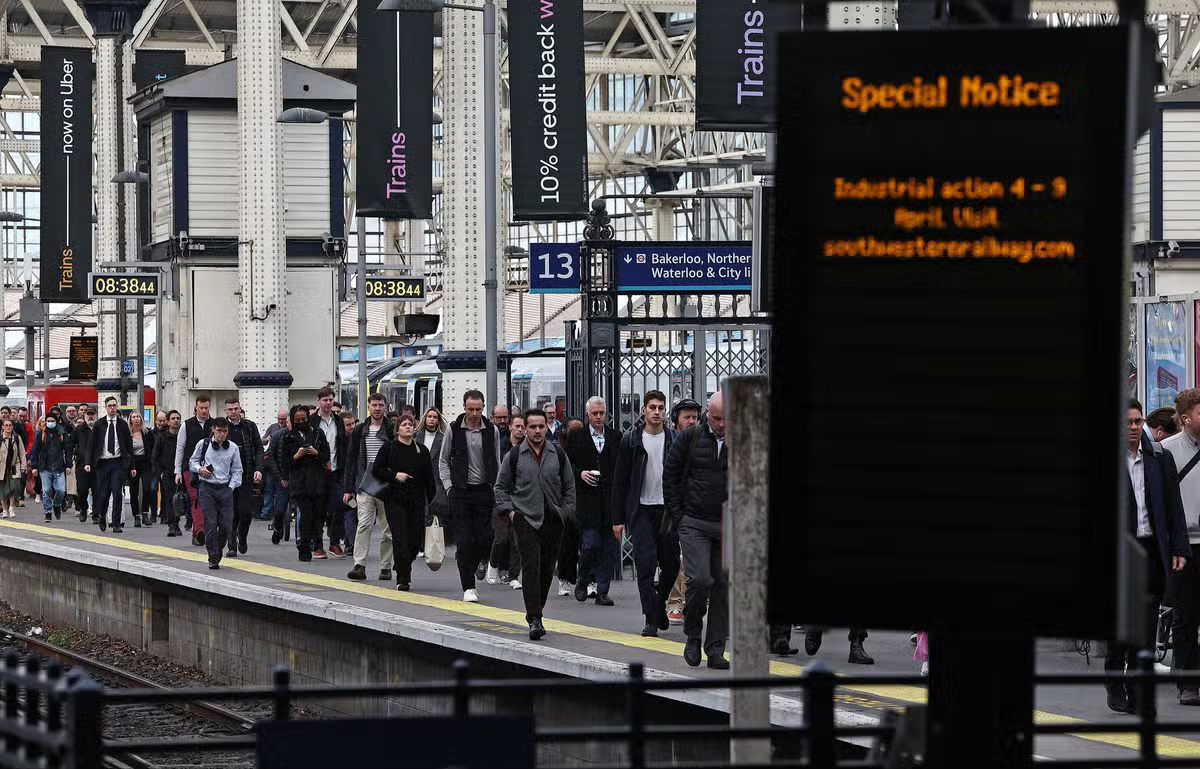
223	445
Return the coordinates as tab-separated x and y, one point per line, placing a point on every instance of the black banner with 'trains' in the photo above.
549	123
395	114
736	61
66	251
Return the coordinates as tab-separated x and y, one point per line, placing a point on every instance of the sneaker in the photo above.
591	593
214	565
481	570
493	575
912	639
49	518
421	554
319	555
925	668
471	596
336	551
58	513
402	587
675	616
515	584
385	575
116	529
565	588
359	572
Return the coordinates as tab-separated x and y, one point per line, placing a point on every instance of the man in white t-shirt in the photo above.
638	503
362	486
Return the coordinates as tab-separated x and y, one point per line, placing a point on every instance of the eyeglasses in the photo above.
1136	422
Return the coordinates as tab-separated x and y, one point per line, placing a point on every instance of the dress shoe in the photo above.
275	537
858	655
197	538
82	517
782	648
214	565
1189	697
243	546
581	591
663	622
650	631
602	599
137	521
536	631
717	661
146	520
358	573
812	642
103	524
691	652
58	513
1119	703
385	575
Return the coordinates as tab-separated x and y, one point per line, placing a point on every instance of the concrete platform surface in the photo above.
584	640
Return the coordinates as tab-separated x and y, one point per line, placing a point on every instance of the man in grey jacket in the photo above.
535	488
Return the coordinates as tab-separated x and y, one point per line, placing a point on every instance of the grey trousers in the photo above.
217	504
707	583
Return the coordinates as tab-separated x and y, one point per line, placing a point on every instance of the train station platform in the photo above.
583	641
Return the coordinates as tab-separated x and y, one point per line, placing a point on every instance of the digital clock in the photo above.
124	285
395	288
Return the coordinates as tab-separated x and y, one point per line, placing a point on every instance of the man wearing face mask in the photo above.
51	457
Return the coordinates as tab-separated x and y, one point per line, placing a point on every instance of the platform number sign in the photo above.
554	268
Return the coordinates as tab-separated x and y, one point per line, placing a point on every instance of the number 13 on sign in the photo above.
554	268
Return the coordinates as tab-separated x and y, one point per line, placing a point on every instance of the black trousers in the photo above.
506	557
1122	656
243	509
110	485
568	552
83	484
471	508
140	499
652	548
1183	596
166	488
217	503
407	523
707	583
310	509
539	548
335	511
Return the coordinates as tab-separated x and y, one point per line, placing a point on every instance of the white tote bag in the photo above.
435	545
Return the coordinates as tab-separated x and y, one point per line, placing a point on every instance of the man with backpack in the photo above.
695	486
535	488
217	462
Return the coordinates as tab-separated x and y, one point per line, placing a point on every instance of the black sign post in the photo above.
66	187
956	281
395	114
549	122
156	65
737	47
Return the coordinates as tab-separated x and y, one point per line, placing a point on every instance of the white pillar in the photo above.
108	221
263	377
463	203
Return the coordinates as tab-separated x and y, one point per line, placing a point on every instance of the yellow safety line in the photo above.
1167	746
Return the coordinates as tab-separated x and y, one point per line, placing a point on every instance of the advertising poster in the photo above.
1166	366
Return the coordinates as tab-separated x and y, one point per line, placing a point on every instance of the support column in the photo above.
463	361
263	377
128	199
108	211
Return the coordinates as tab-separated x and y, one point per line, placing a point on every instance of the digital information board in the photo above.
124	285
395	288
952	248
83	362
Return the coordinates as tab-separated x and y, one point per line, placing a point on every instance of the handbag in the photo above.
435	545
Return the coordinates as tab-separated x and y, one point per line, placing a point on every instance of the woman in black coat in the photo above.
405	466
303	462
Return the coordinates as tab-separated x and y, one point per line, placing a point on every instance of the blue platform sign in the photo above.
684	267
554	268
128	366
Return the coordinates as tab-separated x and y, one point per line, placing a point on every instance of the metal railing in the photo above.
55	720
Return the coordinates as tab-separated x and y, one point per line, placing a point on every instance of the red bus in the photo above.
42	398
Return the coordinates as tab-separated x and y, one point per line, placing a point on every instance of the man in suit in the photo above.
593	454
1155	516
109	457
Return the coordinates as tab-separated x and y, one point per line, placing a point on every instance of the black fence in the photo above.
55	720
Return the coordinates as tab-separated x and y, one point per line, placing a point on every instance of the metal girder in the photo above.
1110	6
20	145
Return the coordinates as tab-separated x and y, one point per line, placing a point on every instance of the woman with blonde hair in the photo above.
141	498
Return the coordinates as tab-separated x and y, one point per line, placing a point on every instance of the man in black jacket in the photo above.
110	455
593	455
695	485
638	502
369	492
197	428
81	441
1155	516
468	467
245	434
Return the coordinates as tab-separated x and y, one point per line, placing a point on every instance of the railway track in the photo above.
134	722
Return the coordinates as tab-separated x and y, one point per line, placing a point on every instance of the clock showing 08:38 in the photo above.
128	285
395	288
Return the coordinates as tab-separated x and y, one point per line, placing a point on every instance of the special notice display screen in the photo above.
951	234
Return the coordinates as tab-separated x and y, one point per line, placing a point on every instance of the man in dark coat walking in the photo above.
593	454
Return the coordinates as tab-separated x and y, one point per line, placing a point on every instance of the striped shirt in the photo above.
374	440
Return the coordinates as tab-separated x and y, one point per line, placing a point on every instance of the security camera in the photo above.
1173	248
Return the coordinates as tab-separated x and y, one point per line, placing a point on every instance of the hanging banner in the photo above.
549	120
736	64
395	114
66	191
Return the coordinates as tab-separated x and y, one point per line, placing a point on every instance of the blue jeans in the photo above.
597	558
54	489
273	497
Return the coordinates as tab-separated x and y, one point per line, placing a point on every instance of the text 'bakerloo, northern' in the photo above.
974	92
